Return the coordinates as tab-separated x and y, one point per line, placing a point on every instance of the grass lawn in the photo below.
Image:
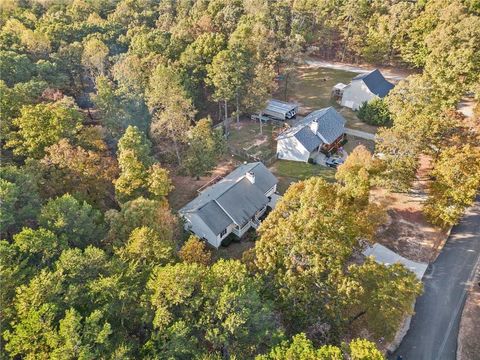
292	171
312	87
246	136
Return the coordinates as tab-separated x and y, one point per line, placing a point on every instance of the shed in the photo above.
280	110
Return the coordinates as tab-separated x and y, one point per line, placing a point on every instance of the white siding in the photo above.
196	225
291	149
356	94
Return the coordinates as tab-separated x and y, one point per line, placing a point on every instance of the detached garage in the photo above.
280	110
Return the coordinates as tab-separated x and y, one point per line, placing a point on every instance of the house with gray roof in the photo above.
365	87
232	205
321	130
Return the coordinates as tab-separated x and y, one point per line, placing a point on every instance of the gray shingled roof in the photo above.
376	83
331	125
242	201
215	218
307	138
234	198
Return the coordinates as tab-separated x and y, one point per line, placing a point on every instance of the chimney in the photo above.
314	126
250	176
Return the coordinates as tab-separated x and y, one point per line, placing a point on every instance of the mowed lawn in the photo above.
312	87
288	172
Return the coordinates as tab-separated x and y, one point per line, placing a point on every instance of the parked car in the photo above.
333	162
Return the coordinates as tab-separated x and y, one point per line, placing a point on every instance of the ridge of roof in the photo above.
375	82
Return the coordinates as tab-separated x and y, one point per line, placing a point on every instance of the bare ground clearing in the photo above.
407	231
186	187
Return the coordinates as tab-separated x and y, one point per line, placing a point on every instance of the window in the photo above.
222	234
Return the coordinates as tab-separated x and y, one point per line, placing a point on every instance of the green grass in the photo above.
312	87
292	171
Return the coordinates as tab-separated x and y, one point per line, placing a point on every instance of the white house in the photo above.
233	205
321	130
364	88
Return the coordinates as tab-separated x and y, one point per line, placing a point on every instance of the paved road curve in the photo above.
434	328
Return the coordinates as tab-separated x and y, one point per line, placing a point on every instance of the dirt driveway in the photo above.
391	73
407	231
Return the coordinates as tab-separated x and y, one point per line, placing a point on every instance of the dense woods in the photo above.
101	99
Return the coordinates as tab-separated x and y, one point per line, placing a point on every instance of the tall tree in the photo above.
77	223
456	180
205	146
226	311
139	173
171	108
304	244
43	125
227	75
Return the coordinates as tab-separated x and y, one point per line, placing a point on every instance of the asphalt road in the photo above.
434	328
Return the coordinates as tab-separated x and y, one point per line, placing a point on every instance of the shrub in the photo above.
375	112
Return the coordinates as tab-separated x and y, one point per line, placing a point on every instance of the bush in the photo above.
310	161
375	112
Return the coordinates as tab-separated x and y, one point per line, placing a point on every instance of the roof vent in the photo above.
250	176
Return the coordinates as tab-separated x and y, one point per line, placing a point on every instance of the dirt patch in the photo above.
468	340
407	231
186	187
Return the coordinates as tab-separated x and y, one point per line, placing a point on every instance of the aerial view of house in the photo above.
363	88
240	179
320	131
233	205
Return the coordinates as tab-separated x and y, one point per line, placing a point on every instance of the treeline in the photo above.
98	97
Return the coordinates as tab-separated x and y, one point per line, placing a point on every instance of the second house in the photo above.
320	131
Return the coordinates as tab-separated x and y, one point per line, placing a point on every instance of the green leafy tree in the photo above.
226	311
146	246
205	147
301	348
15	68
375	112
387	297
73	221
453	62
171	108
456	180
354	174
119	108
43	125
139	213
304	244
20	198
227	75
94	56
139	173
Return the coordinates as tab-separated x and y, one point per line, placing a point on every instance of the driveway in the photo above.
434	328
360	134
390	73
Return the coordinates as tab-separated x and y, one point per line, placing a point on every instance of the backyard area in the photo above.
246	141
288	172
312	87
